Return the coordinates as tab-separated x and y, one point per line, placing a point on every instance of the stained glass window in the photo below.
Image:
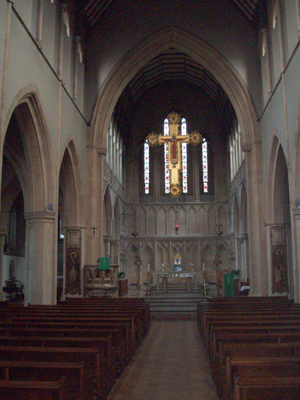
204	166
146	167
166	156
61	235
184	159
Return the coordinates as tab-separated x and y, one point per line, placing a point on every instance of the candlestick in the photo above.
148	284
203	267
204	285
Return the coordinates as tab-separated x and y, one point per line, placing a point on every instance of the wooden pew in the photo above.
137	307
78	384
102	344
128	321
214	314
263	327
117	339
249	318
271	388
123	330
94	368
124	324
255	334
257	350
137	328
246	324
34	390
264	367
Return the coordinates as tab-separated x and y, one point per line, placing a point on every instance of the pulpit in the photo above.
101	283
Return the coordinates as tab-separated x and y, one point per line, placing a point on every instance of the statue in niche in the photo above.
177	263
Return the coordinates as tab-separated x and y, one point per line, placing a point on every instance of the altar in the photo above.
164	276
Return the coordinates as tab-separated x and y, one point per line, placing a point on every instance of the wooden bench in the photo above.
94	368
103	345
12	334
78	384
114	328
128	321
271	388
264	367
249	328
20	390
258	350
246	335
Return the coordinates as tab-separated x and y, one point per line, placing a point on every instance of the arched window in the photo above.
166	157
146	167
184	159
187	157
204	166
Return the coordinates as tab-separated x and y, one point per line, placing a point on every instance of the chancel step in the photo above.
176	301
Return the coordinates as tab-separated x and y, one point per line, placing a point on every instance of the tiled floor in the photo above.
169	365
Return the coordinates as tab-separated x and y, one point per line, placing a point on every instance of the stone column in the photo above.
256	219
41	269
95	187
244	266
2	237
296	253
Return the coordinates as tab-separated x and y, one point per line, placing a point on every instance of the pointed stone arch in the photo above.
70	183
280	271
35	166
273	158
200	51
228	78
71	219
27	148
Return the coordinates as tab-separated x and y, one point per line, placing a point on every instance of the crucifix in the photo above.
174	140
94	229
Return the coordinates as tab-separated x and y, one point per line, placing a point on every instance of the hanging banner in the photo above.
104	263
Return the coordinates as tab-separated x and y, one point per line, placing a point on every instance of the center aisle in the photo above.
170	365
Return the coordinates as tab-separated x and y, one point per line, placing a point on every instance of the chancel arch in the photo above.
236	92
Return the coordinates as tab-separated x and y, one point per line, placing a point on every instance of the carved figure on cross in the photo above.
174	140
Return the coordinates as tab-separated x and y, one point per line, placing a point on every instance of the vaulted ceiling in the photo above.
173	66
252	10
